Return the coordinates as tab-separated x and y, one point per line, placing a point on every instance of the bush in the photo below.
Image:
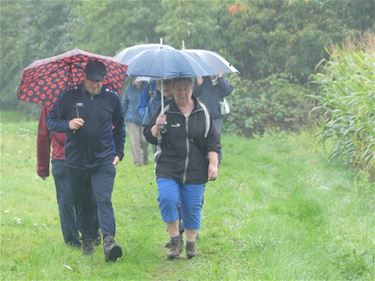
347	102
274	103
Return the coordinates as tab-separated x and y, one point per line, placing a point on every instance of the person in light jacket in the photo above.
133	120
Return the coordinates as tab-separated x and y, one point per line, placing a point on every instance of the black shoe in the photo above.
175	247
112	251
87	247
190	249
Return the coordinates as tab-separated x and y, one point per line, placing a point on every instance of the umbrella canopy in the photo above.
162	63
213	59
43	80
127	55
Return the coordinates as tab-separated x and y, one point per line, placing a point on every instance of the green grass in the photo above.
278	211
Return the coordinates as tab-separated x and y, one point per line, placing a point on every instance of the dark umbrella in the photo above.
128	54
43	80
213	59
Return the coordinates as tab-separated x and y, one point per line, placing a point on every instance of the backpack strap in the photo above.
207	119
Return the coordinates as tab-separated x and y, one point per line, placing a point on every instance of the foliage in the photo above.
273	103
347	102
267	217
108	26
275	44
280	37
28	34
194	22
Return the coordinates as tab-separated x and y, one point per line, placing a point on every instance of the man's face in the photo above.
93	87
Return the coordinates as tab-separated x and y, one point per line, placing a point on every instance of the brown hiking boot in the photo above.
112	251
175	247
168	244
190	249
87	247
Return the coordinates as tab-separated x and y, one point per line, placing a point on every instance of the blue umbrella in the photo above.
127	55
162	63
165	63
213	59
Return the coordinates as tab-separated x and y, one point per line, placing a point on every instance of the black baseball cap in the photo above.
95	70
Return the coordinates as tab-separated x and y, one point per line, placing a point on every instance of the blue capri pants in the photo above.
172	193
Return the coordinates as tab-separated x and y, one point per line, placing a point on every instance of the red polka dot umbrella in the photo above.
43	80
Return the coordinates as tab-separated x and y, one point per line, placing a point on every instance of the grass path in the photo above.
277	212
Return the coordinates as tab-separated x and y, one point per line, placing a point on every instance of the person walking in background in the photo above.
155	100
133	119
187	156
148	92
45	140
93	119
211	90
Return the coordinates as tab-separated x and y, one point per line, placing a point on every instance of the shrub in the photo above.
274	103
347	103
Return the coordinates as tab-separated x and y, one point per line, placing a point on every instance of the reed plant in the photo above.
347	102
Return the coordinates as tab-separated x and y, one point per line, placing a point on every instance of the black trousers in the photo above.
92	192
65	202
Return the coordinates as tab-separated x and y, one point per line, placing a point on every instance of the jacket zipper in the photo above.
187	150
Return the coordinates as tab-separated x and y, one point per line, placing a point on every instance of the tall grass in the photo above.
278	211
347	102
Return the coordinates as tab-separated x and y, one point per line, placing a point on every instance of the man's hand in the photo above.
115	161
76	123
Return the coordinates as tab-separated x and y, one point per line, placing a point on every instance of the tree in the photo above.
106	27
28	34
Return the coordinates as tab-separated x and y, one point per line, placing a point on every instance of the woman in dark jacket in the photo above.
187	156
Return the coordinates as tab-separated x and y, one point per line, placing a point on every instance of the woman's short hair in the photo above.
189	79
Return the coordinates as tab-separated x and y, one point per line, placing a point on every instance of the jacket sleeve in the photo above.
119	128
43	148
224	86
143	101
147	128
56	118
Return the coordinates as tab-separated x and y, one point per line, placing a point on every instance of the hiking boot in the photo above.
112	251
87	247
168	244
190	249
175	247
98	238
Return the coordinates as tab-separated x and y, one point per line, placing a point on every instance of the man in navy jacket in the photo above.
93	119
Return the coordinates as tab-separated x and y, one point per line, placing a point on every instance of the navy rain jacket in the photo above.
211	95
102	136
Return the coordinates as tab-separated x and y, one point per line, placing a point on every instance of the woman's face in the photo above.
183	90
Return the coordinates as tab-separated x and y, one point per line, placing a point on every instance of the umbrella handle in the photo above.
162	96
